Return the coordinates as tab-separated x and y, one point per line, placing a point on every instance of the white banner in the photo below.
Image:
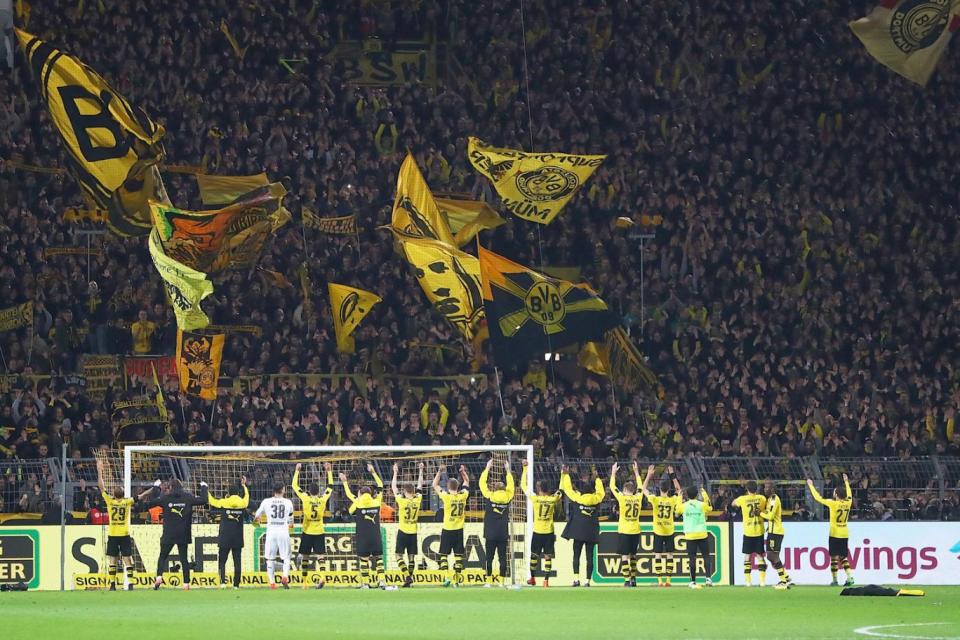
880	553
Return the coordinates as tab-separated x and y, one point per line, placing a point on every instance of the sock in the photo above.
625	569
305	568
833	568
271	571
458	568
547	567
534	565
402	565
364	571
633	567
747	568
112	571
286	568
846	567
128	572
763	573
782	573
445	566
380	575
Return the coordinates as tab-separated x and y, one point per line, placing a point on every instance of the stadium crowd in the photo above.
799	297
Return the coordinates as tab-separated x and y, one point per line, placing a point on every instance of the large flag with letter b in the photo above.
112	145
909	36
349	306
198	364
530	314
533	186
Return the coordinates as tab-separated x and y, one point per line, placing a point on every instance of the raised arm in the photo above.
465	477
525	481
636	473
706	500
296	482
436	483
846	485
813	491
511	488
100	482
646	481
329	490
376	477
143	494
420	476
393	480
613	480
484	488
346	487
676	483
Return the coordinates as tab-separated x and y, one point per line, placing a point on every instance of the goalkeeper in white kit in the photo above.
278	512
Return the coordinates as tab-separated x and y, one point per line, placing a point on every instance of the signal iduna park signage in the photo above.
880	552
34	553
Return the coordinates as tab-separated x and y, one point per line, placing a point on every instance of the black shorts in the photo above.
119	546
542	544
406	543
774	542
369	546
698	547
451	542
313	544
663	544
628	543
752	544
839	547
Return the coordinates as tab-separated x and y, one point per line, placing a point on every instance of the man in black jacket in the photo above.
177	507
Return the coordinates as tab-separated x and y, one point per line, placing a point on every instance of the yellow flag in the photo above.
909	36
198	364
15	317
186	287
594	357
450	278
161	405
216	190
533	186
233	41
349	306
415	212
110	143
467	218
625	364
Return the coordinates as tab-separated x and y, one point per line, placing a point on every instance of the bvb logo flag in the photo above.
533	186
349	307
909	36
467	218
341	226
185	287
198	363
15	317
415	212
112	145
530	314
450	279
228	238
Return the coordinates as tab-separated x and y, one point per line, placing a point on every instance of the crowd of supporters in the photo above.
799	297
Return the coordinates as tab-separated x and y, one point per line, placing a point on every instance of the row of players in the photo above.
761	514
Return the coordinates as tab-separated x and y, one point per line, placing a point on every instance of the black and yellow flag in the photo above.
15	317
530	314
467	218
112	146
617	358
229	238
185	286
415	212
198	363
909	36
218	190
450	278
349	307
339	226
161	405
138	421
533	186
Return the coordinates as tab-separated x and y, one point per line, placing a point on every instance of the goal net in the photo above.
135	468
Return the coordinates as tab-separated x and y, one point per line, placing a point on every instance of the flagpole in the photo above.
2	357
503	411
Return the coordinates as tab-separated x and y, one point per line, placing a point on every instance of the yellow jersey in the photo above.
313	506
500	496
118	509
408	510
773	515
751	506
454	509
839	512
544	507
629	507
664	510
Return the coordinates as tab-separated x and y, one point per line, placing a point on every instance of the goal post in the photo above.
266	466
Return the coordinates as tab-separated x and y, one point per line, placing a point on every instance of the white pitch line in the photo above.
872	631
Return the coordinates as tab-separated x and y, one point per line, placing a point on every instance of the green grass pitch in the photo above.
722	612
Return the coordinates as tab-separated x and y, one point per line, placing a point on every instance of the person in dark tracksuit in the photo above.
582	527
496	519
177	507
232	508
